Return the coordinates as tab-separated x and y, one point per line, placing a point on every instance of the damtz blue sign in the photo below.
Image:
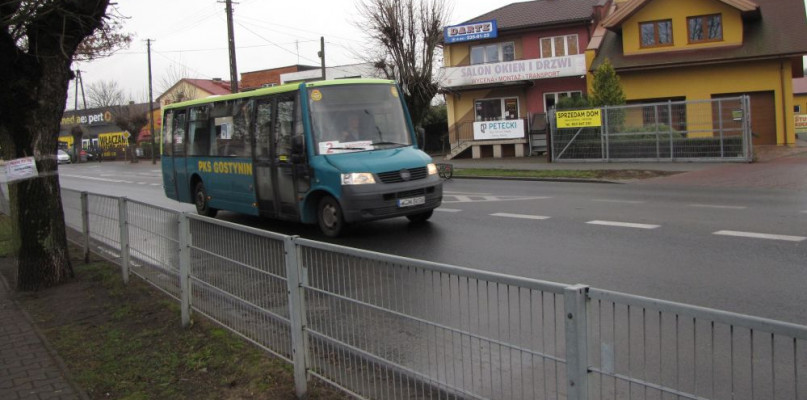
471	31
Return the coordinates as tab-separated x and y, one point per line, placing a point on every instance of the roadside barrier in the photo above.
388	327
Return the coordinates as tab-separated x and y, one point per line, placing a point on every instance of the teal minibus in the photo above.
331	153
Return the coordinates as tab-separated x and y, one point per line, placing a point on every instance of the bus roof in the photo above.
289	87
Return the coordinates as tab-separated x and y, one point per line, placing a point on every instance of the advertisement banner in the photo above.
579	118
801	123
521	70
491	130
470	31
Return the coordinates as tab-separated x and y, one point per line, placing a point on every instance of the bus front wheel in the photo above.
200	199
329	216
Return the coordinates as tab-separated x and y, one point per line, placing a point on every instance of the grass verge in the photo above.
126	341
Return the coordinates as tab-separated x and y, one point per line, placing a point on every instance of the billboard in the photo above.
470	31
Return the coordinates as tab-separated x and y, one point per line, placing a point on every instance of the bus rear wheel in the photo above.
200	199
329	216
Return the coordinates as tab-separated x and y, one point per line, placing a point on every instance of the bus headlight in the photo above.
432	169
357	178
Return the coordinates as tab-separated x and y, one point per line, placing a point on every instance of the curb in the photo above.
68	377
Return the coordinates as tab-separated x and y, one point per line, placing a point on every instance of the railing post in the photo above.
575	301
85	225
605	143
185	269
296	278
123	224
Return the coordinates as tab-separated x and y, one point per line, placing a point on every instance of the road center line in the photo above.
718	206
521	216
623	224
92	178
619	201
755	235
451	210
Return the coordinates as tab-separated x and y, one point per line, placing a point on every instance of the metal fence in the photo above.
388	327
705	130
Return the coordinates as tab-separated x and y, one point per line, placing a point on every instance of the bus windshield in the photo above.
347	118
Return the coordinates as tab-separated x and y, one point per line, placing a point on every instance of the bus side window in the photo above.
240	144
199	138
263	129
168	135
222	127
285	121
179	133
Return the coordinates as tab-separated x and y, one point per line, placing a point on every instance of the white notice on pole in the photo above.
21	168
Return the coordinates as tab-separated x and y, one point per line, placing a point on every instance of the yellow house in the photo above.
707	49
192	89
800	106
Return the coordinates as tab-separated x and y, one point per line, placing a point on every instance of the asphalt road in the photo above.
731	248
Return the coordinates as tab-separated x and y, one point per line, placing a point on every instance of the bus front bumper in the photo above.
380	201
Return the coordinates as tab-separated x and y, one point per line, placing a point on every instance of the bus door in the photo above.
286	173
174	170
180	168
264	178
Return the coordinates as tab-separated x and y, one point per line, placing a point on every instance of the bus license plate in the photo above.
412	201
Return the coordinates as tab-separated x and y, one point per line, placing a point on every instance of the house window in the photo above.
559	46
552	99
656	33
493	53
797	109
705	28
496	109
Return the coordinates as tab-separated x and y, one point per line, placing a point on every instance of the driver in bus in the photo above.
352	131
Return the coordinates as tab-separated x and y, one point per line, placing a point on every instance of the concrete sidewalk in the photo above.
29	368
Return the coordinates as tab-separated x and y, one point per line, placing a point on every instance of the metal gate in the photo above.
705	130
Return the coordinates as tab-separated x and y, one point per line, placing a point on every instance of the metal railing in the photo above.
388	327
704	130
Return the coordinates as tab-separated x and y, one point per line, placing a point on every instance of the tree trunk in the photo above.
43	259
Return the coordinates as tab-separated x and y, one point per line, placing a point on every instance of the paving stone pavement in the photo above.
29	369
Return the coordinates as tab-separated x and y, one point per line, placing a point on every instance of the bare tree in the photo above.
105	94
407	33
131	118
38	43
174	75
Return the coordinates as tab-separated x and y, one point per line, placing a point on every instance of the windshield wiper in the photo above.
390	144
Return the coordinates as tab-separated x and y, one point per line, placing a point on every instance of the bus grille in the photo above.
397	176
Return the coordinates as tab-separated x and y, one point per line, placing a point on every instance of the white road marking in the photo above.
521	216
487	198
718	206
92	178
755	235
450	210
623	224
618	201
449	192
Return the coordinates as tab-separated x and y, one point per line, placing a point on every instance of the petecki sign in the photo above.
506	129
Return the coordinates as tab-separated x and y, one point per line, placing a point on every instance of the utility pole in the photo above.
151	109
80	81
231	40
321	54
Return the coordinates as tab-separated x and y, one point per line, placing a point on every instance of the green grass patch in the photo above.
6	240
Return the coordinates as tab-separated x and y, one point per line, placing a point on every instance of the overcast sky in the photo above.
191	35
